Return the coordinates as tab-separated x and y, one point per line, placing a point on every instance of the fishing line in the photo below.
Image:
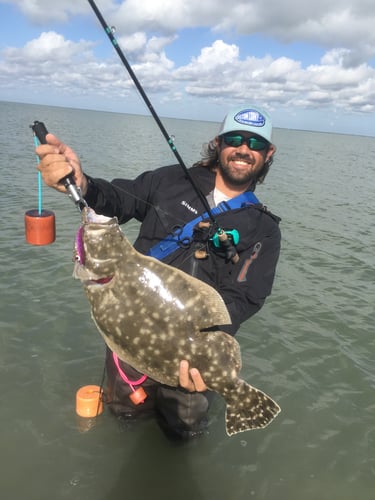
110	32
40	225
157	209
40	197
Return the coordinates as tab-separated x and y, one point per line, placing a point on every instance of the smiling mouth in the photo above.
241	161
240	164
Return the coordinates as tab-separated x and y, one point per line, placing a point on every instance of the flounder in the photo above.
153	315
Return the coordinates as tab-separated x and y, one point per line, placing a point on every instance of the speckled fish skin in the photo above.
151	314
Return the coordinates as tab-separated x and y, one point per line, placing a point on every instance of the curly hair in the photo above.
210	160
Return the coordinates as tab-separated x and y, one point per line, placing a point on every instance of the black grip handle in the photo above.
40	131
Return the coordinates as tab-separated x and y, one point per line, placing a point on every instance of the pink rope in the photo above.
131	383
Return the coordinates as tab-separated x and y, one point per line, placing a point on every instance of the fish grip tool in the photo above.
74	192
225	241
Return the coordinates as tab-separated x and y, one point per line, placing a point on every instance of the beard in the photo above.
239	177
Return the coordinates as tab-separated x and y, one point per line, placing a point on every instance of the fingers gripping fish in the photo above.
152	316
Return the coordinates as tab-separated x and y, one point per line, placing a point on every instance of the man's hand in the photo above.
57	160
190	378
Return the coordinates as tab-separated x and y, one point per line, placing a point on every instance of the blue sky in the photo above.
310	64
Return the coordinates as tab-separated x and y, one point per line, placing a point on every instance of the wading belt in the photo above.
182	236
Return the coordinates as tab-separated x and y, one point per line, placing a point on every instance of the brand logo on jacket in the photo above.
189	207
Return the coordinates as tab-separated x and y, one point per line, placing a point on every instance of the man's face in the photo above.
241	158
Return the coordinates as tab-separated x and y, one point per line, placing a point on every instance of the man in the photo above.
165	199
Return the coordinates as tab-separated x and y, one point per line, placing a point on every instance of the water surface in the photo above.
311	347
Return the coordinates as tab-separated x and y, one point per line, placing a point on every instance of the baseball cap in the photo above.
248	119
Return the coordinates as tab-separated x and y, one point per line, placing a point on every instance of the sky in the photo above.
310	64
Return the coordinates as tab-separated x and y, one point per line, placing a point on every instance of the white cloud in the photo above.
289	19
211	59
219	71
337	23
71	67
334	24
140	48
42	11
49	46
134	44
51	61
282	80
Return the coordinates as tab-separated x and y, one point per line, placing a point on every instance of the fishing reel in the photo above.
224	240
232	234
227	241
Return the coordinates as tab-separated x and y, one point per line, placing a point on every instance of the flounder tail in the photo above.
248	408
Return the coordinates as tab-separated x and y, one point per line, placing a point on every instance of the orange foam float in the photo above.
89	401
40	227
138	396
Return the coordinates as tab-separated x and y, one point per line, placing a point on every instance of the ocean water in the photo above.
312	347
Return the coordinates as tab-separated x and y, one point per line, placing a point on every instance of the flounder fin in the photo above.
213	309
248	408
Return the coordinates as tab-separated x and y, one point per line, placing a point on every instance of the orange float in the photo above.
89	401
138	396
40	227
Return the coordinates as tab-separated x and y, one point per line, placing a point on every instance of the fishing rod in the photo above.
147	101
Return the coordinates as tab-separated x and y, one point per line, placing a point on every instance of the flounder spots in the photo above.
154	315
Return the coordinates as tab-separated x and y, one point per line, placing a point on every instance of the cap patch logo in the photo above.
250	117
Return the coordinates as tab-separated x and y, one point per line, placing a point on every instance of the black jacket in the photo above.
163	199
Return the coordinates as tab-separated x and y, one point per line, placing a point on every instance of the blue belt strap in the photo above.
182	236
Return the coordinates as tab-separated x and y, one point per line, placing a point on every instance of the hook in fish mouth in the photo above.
90	279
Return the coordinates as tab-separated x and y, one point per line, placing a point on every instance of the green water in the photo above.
311	347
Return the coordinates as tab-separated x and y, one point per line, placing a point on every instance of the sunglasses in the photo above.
236	140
